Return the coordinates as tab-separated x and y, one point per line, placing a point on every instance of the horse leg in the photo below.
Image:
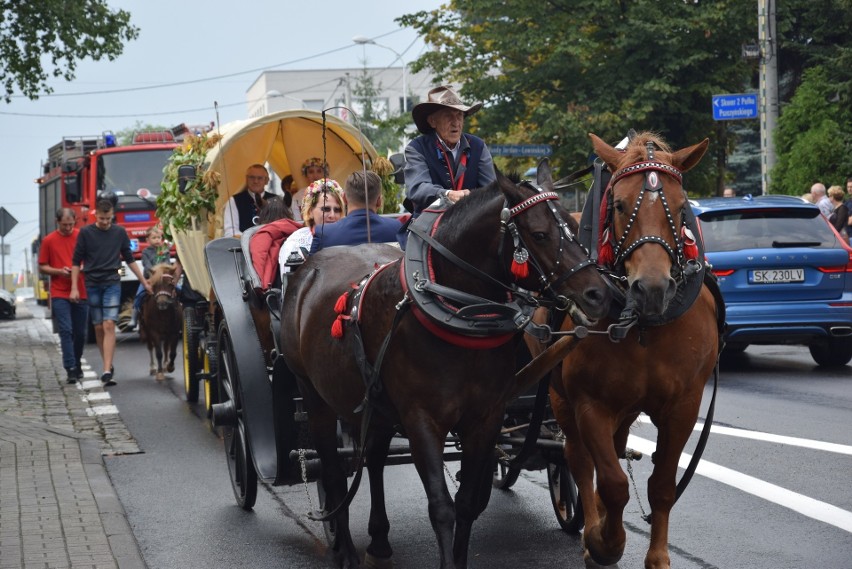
477	471
673	430
172	352
160	375
379	553
323	425
427	451
605	540
152	367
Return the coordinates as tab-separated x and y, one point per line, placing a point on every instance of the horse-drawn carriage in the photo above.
370	356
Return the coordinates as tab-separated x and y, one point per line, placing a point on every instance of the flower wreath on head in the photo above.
311	162
313	192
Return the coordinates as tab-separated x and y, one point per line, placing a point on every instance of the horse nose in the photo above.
652	296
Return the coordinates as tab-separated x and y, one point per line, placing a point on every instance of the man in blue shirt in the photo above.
362	194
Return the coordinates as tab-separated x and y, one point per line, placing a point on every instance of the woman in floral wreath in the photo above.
323	203
313	169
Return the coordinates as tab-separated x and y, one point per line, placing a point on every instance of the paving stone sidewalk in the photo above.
58	508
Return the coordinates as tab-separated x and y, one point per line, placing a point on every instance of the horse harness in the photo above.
455	316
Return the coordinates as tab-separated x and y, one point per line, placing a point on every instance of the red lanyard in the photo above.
456	183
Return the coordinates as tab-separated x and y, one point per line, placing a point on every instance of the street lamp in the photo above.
361	40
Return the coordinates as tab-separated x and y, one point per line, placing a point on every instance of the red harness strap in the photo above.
467	342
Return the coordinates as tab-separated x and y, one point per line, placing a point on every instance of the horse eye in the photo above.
619	207
539	235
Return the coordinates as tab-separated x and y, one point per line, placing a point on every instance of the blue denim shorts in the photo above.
104	302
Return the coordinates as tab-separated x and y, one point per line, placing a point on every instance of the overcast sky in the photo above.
185	43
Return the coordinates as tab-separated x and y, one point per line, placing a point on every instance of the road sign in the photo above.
734	107
520	149
7	222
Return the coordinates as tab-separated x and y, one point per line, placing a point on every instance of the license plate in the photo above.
774	276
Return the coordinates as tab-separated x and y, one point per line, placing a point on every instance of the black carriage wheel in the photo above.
505	475
564	497
237	453
191	359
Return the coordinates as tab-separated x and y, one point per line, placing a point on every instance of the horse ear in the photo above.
607	153
544	174
685	158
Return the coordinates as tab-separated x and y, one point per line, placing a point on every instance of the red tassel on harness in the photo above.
340	305
337	327
690	249
520	267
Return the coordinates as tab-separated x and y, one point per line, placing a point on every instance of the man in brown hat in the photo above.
444	162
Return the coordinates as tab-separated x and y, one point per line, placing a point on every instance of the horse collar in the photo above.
455	316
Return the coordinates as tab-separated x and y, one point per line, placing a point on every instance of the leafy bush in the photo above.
183	211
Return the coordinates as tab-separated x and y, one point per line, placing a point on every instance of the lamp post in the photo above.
361	40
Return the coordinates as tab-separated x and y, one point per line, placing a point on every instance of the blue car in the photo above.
785	274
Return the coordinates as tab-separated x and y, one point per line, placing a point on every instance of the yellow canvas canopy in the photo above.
283	141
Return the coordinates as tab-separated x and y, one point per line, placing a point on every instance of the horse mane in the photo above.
158	271
637	151
460	215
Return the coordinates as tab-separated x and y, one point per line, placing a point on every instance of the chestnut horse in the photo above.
661	366
162	318
431	380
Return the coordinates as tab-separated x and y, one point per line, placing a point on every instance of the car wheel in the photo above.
735	347
834	352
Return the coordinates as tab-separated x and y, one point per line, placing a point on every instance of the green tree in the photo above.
125	135
560	69
48	38
814	137
550	72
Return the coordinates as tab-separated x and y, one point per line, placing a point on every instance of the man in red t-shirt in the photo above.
72	318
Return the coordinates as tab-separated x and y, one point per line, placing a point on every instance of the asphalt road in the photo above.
759	500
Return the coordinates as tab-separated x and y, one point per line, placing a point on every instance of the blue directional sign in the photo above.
520	149
735	107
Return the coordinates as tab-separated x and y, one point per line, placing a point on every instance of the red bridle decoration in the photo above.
520	267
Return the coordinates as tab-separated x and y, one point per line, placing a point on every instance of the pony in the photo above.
162	318
668	316
436	334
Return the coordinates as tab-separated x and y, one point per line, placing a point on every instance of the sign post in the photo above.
7	222
520	149
734	107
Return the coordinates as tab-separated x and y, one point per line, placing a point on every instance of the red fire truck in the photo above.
81	170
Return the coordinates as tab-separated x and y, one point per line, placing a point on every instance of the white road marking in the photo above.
102	410
781	439
97	396
809	507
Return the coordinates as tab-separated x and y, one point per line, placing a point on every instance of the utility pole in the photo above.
26	268
768	43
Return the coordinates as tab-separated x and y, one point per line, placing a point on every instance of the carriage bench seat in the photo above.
260	245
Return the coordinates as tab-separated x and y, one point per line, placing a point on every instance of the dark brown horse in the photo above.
432	379
162	317
661	366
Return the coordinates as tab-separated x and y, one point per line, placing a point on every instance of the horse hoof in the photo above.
171	367
161	376
371	562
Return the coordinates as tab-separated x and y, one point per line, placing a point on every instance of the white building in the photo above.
320	89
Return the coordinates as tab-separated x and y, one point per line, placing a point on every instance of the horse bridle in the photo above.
652	183
521	251
171	294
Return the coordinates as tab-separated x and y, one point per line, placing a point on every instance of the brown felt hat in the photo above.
438	98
